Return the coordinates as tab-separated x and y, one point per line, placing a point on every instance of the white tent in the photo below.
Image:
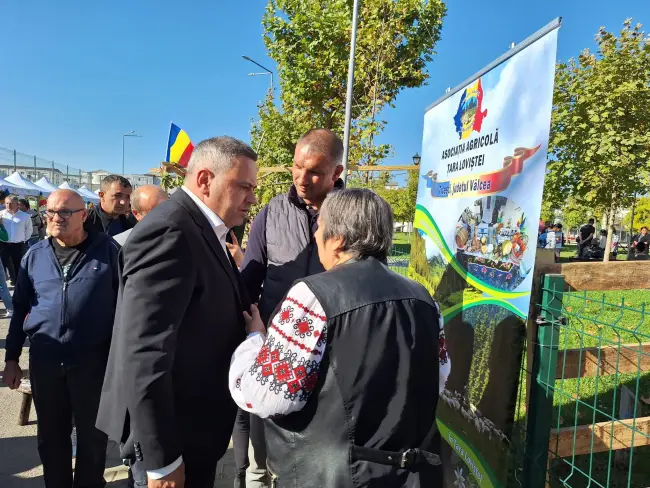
86	193
87	198
46	184
66	186
24	186
6	186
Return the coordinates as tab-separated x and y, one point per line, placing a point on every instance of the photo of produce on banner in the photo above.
492	242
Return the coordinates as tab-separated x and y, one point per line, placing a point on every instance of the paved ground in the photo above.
20	466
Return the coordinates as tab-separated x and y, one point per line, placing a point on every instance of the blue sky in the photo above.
76	75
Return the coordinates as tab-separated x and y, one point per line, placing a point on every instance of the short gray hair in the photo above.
362	219
218	154
13	198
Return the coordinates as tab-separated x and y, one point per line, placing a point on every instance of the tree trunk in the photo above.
610	231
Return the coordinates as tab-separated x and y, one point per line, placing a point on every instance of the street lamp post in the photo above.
128	134
416	159
267	71
348	99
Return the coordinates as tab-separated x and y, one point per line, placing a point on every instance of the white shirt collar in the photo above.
218	226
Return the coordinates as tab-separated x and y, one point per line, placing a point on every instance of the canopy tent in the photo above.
6	186
86	198
66	186
86	193
46	184
24	186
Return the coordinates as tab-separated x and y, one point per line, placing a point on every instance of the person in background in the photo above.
558	237
643	237
18	225
543	237
602	240
64	302
347	375
281	248
585	235
109	216
38	227
143	200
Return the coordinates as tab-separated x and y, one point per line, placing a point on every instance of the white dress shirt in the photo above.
221	231
18	225
218	226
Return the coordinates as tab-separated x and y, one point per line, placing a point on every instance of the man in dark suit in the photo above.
178	321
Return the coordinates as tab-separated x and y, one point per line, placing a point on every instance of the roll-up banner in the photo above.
484	153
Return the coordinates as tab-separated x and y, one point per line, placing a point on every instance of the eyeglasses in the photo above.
64	214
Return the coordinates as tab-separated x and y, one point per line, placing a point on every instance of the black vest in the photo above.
378	385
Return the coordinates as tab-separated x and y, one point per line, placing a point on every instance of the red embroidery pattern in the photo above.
306	309
274	367
286	315
294	341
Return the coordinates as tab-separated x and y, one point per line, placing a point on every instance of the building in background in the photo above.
136	180
33	173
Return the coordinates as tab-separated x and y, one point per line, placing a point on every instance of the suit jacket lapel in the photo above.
209	235
215	245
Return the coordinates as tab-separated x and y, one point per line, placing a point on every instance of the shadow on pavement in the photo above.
19	455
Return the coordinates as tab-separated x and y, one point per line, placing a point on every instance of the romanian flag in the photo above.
179	148
42	201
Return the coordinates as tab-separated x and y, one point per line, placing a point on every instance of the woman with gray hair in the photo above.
347	374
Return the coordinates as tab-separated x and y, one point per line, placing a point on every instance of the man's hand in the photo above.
235	250
12	374
254	321
175	479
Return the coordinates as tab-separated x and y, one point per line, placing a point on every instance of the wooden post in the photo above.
26	404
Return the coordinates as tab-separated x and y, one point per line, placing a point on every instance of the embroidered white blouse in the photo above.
275	375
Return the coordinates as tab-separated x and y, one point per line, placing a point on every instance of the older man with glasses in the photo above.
64	301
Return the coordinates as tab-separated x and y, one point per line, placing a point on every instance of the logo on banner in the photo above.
470	115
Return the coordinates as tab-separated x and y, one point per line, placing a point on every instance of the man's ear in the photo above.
203	178
101	195
338	171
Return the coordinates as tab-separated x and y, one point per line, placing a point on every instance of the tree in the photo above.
310	43
641	215
600	130
402	200
575	214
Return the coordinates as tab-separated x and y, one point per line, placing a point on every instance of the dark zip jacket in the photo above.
99	221
66	317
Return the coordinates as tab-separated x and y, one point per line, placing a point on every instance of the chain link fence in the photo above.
34	168
585	420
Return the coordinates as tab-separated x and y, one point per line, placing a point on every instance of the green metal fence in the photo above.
585	421
398	261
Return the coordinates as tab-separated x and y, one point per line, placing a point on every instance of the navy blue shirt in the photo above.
253	269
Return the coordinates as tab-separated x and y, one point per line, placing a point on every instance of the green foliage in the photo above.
600	130
310	42
402	200
169	181
575	214
547	214
641	215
